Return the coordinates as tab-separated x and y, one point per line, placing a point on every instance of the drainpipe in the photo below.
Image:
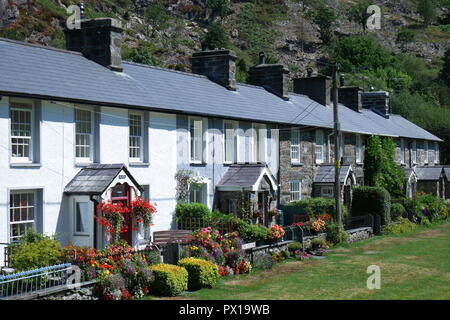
95	201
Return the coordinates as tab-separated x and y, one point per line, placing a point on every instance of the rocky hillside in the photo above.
167	32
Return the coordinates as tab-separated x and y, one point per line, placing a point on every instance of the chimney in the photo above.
218	65
98	40
351	97
273	77
317	88
377	100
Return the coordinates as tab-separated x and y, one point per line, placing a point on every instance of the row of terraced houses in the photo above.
79	126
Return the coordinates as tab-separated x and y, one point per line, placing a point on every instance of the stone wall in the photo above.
359	234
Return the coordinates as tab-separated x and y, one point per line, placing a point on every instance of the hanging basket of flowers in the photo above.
114	218
274	212
275	233
143	210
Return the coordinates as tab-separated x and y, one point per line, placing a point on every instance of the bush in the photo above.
263	261
314	206
251	232
397	211
151	256
317	243
202	273
335	234
31	255
404	225
294	246
170	280
192	210
372	200
426	206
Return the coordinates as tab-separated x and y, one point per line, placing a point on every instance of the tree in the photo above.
427	9
155	15
405	36
216	37
325	18
380	167
445	72
218	8
358	13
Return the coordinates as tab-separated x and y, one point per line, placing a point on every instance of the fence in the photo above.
4	255
34	282
198	223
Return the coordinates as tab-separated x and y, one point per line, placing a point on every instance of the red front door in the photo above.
122	193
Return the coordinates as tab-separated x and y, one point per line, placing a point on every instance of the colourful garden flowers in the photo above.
143	210
275	232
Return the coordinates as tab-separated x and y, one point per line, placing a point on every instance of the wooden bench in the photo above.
171	236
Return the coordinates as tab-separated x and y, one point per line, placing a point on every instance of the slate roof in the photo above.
447	173
95	178
54	74
429	173
408	172
325	174
245	175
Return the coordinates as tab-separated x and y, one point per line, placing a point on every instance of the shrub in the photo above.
335	234
251	232
314	206
317	243
31	255
404	225
372	200
397	211
202	273
151	256
192	210
426	205
294	246
170	280
263	261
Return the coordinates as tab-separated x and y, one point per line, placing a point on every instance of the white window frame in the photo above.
233	144
204	194
199	138
358	149
296	146
319	133
91	136
232	206
295	190
141	137
23	107
259	137
327	194
10	207
425	151
402	151
89	226
436	153
414	152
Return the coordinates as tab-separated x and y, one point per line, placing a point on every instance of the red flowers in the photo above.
275	232
143	210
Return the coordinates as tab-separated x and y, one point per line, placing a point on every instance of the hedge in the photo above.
31	255
317	205
372	200
201	273
192	210
170	280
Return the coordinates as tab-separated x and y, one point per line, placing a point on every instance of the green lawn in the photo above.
413	266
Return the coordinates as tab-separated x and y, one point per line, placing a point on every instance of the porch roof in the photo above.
325	174
447	173
95	179
429	173
246	176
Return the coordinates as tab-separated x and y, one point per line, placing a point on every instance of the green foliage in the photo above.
216	37
39	252
152	257
263	261
156	16
219	8
335	233
361	52
397	211
358	13
144	54
314	206
294	246
325	18
170	280
404	225
201	273
380	167
251	232
317	243
445	72
372	200
427	9
192	210
405	36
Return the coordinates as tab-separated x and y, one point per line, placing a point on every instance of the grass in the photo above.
414	265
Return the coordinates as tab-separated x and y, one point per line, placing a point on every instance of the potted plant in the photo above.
275	233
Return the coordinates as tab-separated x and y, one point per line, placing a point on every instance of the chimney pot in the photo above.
262	58
309	72
342	81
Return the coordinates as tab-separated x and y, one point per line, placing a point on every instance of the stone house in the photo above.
79	127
